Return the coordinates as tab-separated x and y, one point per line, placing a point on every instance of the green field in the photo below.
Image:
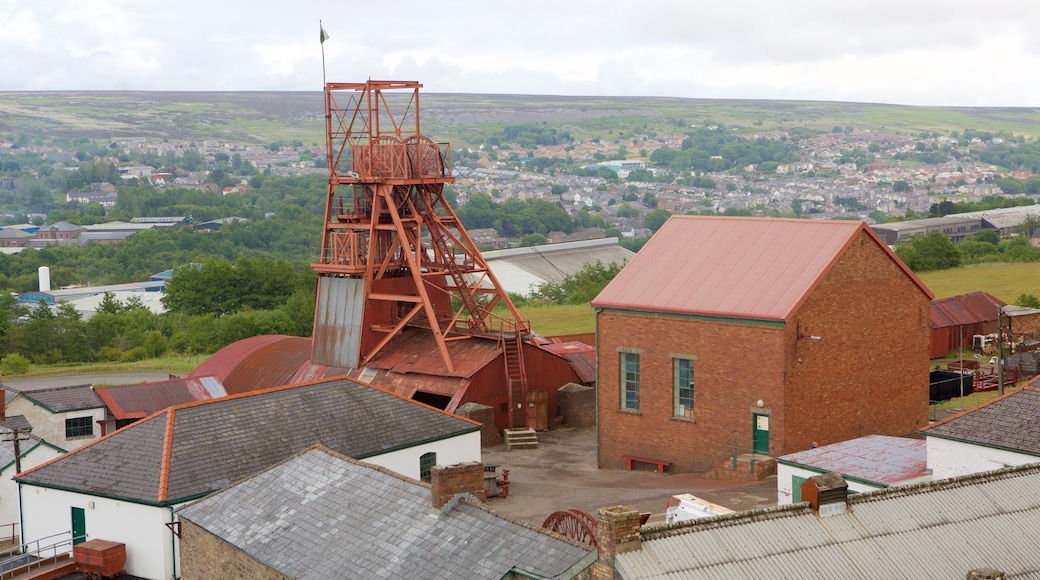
560	320
1005	281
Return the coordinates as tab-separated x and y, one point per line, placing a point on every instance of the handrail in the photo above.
29	559
731	448
12	535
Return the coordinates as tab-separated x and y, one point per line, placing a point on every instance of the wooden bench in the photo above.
661	465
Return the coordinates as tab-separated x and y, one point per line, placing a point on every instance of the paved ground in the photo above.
85	379
562	474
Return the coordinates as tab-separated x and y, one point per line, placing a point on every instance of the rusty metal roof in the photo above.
141	400
581	356
415	351
877	458
740	267
256	363
964	309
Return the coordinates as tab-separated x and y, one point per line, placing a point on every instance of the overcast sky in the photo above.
917	52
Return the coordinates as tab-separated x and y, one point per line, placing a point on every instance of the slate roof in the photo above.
139	401
62	399
937	529
1009	422
322	516
29	443
875	458
190	450
739	267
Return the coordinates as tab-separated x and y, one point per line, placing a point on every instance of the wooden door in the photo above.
537	410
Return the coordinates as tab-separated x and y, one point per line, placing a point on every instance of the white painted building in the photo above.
126	487
66	417
1001	433
866	463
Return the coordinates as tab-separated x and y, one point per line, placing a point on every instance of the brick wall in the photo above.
736	365
578	405
204	555
867	373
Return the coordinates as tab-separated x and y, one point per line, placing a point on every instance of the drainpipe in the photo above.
21	518
173	543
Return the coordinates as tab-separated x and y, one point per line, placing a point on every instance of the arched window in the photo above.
426	463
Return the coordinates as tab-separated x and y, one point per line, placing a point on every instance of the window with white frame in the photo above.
630	381
682	387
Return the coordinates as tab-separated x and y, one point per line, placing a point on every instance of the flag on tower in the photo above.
324	35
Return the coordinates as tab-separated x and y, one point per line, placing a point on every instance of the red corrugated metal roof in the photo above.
257	363
141	400
581	356
757	268
964	310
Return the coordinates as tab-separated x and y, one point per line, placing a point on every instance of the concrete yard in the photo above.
562	474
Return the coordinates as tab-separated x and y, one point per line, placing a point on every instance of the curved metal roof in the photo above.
256	363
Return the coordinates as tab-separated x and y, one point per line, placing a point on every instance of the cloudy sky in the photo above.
917	52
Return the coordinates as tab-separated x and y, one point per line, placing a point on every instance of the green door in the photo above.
760	433
79	525
796	488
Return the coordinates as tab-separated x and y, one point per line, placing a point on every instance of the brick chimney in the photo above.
617	532
448	481
827	494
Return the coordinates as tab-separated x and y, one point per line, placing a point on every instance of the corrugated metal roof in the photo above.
964	310
755	268
1007	422
415	351
141	400
877	458
937	529
256	363
581	356
521	270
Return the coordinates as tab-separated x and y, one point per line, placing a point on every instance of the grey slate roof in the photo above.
1009	422
321	516
29	442
211	444
938	529
62	399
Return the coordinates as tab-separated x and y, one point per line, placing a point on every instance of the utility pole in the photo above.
1000	349
16	437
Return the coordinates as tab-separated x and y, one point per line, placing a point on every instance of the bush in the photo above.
109	354
134	354
15	364
155	344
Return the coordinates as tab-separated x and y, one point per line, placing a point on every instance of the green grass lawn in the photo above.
1005	281
559	320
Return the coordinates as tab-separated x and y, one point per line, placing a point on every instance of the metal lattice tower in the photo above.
394	253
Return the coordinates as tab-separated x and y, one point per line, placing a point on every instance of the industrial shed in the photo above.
955	320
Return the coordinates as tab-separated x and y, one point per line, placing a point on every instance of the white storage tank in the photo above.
45	279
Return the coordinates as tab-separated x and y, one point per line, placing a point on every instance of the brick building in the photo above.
764	334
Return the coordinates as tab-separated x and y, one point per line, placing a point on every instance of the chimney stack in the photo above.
448	481
827	494
617	532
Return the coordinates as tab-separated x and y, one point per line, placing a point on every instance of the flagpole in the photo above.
323	83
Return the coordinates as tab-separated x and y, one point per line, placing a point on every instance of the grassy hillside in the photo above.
265	117
1005	281
560	320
